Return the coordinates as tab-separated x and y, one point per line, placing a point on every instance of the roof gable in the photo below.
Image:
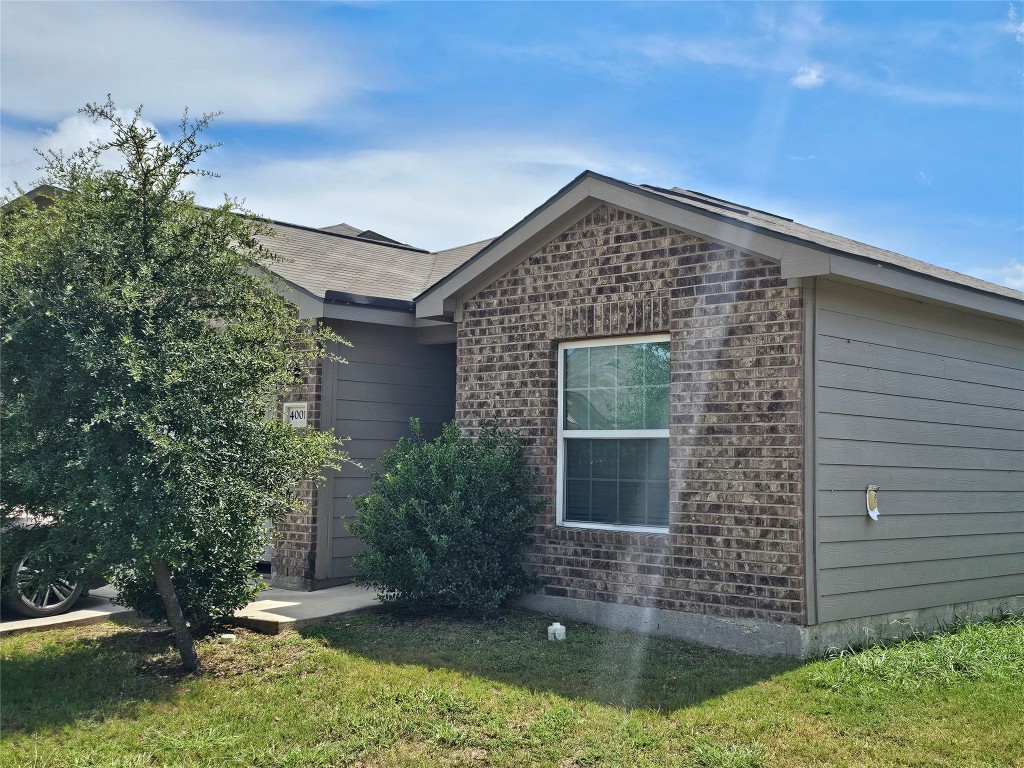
801	251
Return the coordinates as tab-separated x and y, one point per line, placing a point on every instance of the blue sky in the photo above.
899	124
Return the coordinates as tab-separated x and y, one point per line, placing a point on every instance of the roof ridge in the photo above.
467	245
319	231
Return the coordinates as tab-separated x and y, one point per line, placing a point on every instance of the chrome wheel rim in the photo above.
47	597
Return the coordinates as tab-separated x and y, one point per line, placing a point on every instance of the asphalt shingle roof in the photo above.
321	261
790	228
452	258
334	259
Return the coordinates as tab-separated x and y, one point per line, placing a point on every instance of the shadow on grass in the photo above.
101	674
601	665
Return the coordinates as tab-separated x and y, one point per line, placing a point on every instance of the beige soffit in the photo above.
802	251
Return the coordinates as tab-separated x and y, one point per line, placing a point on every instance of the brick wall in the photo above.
295	542
734	546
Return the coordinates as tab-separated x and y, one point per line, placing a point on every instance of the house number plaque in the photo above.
295	414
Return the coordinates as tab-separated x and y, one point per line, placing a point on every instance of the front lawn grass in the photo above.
445	691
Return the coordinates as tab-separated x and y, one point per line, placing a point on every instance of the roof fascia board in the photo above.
851	269
362	314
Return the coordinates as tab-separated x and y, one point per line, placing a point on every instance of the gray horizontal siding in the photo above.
892	600
383	412
856	378
888	526
870	452
846	477
846	554
840	425
915	502
865	578
839	400
879	356
389	378
928	403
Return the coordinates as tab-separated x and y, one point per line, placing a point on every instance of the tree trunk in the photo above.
182	637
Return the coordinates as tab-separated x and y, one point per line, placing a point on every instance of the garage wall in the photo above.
389	378
927	403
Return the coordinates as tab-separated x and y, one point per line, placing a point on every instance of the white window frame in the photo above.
598	434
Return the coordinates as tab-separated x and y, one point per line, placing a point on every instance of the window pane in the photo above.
577	459
577	500
657	459
657	504
577	368
655	408
602	366
632	459
656	367
605	458
625	386
604	502
628	481
631	364
632	507
630	408
577	410
602	408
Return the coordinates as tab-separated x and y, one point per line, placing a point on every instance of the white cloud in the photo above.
809	77
780	40
1014	27
1010	274
926	179
434	194
19	162
57	56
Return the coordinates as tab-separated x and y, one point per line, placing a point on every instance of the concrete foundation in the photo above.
762	638
821	638
759	638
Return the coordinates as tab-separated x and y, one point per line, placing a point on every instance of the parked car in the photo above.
21	593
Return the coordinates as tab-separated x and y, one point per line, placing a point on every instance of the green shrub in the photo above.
447	520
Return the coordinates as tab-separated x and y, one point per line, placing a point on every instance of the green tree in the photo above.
143	345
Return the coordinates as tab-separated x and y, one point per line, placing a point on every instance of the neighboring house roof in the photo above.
343	229
802	251
365	234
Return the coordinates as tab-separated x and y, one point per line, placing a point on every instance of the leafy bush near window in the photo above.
447	520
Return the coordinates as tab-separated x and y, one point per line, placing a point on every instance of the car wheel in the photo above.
38	602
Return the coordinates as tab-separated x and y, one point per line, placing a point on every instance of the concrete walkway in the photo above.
275	610
95	607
